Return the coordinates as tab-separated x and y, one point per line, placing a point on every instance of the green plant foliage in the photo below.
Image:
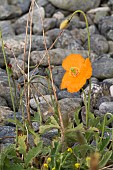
22	144
32	153
15	167
105	158
52	125
104	144
8	152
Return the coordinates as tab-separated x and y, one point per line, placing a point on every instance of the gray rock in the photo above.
75	4
105	88
111	90
110	43
12	9
15	45
9	12
50	134
38	28
109	81
5	2
99	44
5	12
23	4
49	23
3	102
32	73
56	56
96	94
65	94
5	93
41	86
38	42
46	141
67	41
35	126
17	67
99	13
76	23
110	35
102	100
105	25
49	10
68	107
94	80
5	90
2	63
40	100
6	28
106	107
42	2
58	15
46	98
103	68
5	113
7	134
16	11
20	24
81	33
110	4
53	33
45	105
58	73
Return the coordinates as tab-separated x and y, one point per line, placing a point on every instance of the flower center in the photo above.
74	71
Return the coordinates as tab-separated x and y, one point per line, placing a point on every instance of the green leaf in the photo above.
22	145
17	122
15	167
52	125
45	128
79	127
32	153
4	154
105	159
53	121
104	144
76	117
31	130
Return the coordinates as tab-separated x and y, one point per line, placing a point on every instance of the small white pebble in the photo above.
111	90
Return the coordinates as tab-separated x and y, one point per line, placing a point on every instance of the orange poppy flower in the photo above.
78	70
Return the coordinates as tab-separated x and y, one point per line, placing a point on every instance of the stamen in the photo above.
74	71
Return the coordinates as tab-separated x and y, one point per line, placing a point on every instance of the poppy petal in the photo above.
78	70
73	84
73	60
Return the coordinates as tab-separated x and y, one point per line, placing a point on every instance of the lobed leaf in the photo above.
32	153
105	159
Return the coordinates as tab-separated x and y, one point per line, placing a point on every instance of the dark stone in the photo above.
103	68
105	25
99	44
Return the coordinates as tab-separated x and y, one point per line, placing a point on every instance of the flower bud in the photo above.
64	24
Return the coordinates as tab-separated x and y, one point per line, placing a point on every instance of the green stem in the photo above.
87	105
12	97
89	98
87	27
104	124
